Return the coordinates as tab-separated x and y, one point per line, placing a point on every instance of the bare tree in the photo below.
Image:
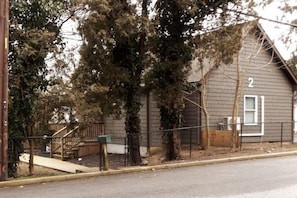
212	50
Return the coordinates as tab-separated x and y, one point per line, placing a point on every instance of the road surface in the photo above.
275	177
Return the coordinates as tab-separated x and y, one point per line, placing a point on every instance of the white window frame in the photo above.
250	110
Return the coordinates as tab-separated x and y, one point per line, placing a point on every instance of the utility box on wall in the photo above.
228	123
104	139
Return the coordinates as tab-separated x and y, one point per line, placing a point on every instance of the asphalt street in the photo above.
274	177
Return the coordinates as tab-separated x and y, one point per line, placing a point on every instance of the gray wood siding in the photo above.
269	81
191	118
143	121
116	127
155	133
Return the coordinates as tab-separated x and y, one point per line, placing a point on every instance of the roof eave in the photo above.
276	55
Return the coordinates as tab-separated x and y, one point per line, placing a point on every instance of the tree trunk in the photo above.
206	115
176	145
207	129
133	98
237	97
171	145
132	125
134	146
171	137
203	104
31	159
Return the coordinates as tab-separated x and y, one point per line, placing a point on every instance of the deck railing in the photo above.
55	144
64	142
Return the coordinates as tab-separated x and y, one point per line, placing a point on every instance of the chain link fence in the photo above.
190	138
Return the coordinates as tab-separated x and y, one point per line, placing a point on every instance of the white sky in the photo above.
275	31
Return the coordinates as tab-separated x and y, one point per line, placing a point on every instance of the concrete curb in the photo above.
23	182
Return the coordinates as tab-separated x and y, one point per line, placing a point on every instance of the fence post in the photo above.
282	134
51	147
62	148
126	150
241	135
190	142
100	157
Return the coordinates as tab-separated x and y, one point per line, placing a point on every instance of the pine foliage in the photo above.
34	32
113	61
177	21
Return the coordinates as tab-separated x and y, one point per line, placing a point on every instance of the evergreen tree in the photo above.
177	21
34	32
113	61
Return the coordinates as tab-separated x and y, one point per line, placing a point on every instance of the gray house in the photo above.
267	97
266	106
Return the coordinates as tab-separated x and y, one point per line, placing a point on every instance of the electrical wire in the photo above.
264	18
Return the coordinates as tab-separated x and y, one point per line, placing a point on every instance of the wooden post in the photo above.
62	149
51	148
103	140
4	18
105	157
31	159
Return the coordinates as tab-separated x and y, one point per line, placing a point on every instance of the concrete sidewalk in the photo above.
57	164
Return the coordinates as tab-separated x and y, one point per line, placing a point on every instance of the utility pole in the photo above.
4	32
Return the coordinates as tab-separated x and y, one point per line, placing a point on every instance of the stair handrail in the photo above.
52	150
71	131
65	139
59	131
63	143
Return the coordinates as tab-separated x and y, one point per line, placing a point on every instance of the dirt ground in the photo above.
39	171
187	154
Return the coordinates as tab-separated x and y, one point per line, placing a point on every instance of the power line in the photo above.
264	18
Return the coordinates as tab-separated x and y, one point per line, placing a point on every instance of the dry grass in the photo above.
222	152
39	171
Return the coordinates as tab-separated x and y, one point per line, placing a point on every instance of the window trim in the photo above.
250	110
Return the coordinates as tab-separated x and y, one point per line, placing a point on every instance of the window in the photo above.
250	110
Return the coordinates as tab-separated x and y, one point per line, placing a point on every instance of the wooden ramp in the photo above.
57	164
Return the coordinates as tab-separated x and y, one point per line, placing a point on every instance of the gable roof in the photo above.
271	49
283	65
